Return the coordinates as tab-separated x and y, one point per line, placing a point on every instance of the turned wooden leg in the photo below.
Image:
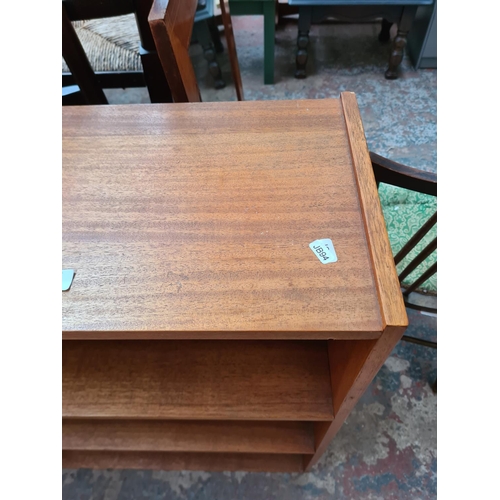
399	43
203	36
398	49
385	32
305	15
301	59
213	67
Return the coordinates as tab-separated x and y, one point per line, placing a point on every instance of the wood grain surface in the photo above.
347	359
196	380
193	436
183	219
390	297
378	353
193	221
253	462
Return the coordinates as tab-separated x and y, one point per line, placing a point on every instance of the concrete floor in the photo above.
399	116
387	447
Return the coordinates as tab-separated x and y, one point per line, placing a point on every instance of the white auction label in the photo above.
324	250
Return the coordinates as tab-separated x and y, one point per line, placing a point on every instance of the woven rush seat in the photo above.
111	44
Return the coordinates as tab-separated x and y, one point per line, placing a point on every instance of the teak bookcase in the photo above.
200	330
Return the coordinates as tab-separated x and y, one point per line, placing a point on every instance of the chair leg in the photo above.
231	48
305	14
79	65
215	35
399	43
269	35
156	81
202	34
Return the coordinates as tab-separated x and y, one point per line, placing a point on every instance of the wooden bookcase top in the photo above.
194	221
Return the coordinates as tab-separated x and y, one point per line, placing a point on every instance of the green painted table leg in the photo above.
269	11
266	8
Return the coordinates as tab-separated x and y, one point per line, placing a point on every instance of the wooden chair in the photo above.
91	84
396	174
156	74
171	23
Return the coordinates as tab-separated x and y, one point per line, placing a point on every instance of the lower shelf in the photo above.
253	462
188	436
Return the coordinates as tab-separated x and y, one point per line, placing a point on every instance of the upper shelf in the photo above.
197	380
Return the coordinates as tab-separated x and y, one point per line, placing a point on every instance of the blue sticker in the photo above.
67	279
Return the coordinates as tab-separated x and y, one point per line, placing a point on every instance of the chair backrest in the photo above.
396	174
171	23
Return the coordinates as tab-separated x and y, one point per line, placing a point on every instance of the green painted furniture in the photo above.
266	8
422	41
400	12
